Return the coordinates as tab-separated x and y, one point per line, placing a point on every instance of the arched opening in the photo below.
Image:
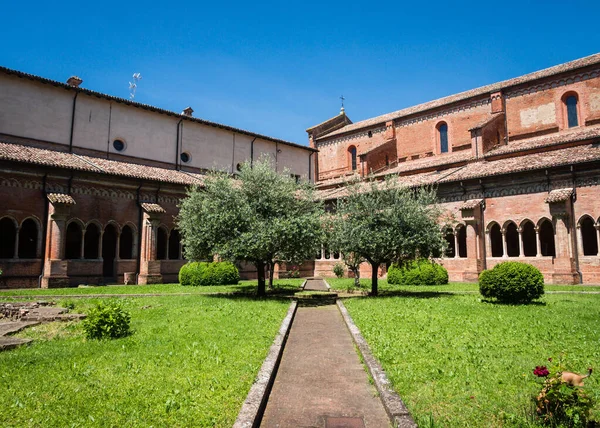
326	252
461	234
109	251
496	240
571	101
589	237
91	241
451	249
528	236
161	244
28	239
174	245
352	157
547	239
443	137
8	236
73	241
336	255
126	243
512	240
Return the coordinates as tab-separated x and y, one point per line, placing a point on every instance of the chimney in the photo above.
187	111
74	81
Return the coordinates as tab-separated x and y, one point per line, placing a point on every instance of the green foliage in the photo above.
512	282
385	222
107	320
338	270
418	272
204	273
560	403
261	216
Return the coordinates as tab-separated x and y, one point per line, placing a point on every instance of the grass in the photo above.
281	286
454	287
190	362
457	361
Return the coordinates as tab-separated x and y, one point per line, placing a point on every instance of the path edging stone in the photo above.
327	284
253	408
393	404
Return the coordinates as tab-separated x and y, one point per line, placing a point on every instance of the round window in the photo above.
119	145
185	157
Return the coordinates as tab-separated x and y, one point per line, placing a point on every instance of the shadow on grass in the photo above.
279	291
499	303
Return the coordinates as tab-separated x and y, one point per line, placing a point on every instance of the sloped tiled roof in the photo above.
61	198
568	66
52	158
558	195
152	208
470	204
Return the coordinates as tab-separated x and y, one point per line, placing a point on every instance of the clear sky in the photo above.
278	68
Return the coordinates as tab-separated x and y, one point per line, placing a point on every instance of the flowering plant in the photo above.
294	272
559	402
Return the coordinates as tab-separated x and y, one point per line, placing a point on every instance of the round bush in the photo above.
203	273
107	320
418	272
512	282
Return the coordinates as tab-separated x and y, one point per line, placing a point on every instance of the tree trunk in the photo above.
375	269
271	273
356	277
260	271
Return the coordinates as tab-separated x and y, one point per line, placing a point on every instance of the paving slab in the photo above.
315	285
321	381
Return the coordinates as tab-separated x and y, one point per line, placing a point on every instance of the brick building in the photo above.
517	165
90	183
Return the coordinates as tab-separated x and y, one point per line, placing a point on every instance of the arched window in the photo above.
528	237
326	253
126	243
512	240
174	248
73	241
443	136
352	157
161	244
589	237
28	239
547	238
571	104
461	234
8	236
496	241
91	241
336	255
451	250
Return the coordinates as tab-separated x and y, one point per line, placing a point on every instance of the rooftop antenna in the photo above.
342	110
133	85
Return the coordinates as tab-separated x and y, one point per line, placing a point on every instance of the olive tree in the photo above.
260	217
384	222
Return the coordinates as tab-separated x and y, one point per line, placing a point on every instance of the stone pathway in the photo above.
315	285
321	381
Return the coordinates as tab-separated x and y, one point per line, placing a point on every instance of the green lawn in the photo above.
190	362
342	284
457	361
281	286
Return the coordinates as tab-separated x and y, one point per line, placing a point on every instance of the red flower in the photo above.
541	371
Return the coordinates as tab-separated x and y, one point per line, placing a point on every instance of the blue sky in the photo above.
279	67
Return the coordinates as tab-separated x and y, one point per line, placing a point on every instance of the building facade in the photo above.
90	183
516	164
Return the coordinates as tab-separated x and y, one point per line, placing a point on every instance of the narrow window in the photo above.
589	237
8	235
443	130
126	243
161	244
571	103
528	237
352	151
73	241
28	239
547	239
496	241
91	241
174	241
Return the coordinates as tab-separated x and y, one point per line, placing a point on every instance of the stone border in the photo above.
393	404
303	284
327	284
252	410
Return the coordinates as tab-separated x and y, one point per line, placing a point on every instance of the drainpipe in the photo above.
44	228
252	152
483	234
73	122
310	166
177	146
138	260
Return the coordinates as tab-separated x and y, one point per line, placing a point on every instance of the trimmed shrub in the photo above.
512	282
107	320
418	272
204	273
338	270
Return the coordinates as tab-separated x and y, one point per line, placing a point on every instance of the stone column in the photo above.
118	246
538	250
521	253
100	238
597	227
55	267
456	255
16	253
82	249
488	244
504	246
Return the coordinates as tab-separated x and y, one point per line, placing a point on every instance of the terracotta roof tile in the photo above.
61	198
572	65
558	195
153	208
471	204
